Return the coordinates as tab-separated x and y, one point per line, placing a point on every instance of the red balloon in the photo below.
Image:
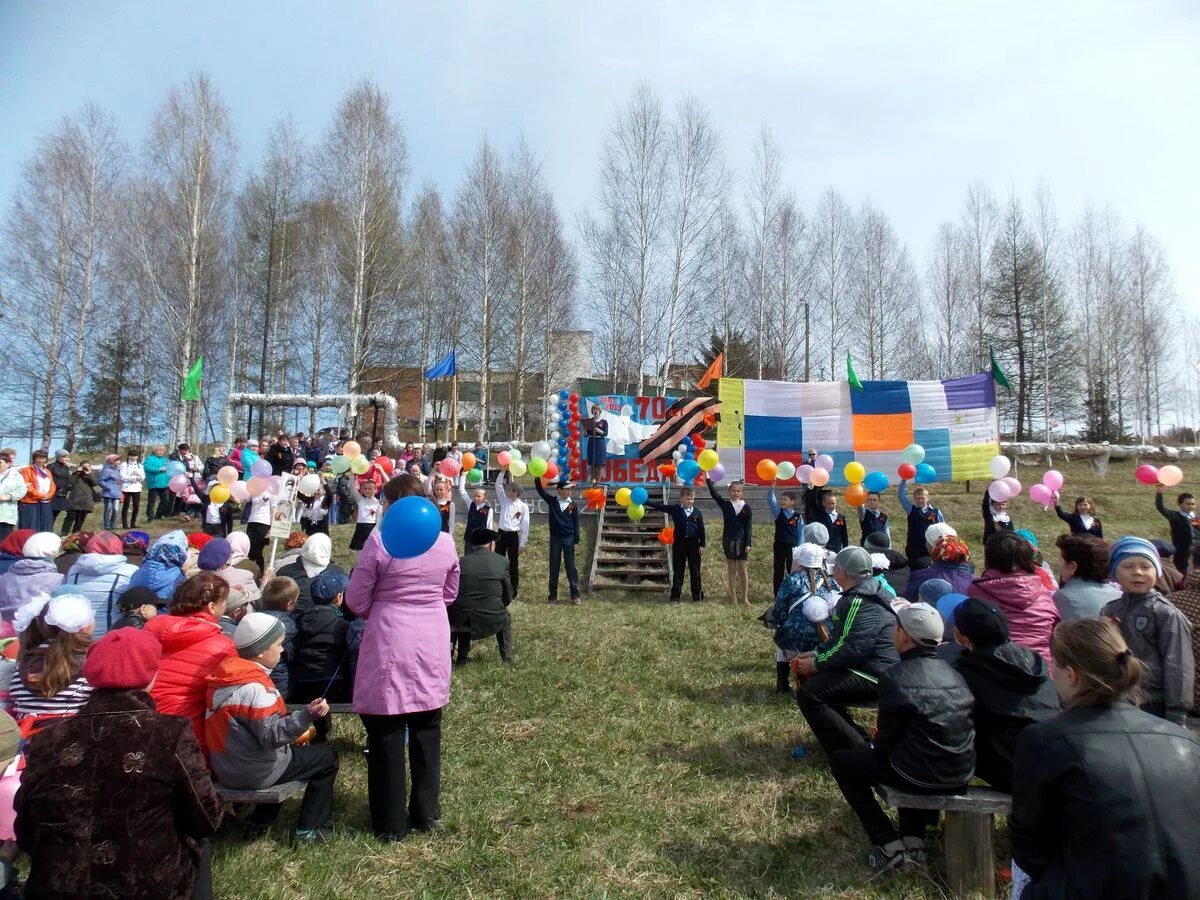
907	471
386	464
699	442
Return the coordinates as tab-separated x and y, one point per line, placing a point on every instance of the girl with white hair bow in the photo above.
802	607
55	634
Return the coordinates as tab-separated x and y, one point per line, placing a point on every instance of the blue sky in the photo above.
904	103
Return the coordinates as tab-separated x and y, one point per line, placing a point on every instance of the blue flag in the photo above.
442	368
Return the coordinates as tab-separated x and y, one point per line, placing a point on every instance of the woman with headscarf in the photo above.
402	681
36	509
32	576
239	553
102	574
950	560
162	571
73	546
12	489
314	559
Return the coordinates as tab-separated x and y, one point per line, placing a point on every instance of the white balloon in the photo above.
541	450
555	434
682	448
677	455
999	466
556	416
309	484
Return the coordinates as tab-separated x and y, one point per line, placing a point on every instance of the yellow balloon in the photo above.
359	465
636	513
218	493
624	496
854	472
707	460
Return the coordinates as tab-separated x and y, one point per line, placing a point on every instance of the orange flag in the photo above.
713	371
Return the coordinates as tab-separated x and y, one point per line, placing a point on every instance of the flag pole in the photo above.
453	436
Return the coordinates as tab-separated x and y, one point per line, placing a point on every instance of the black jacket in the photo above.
83	497
62	476
295	571
484	593
280	458
925	726
686	527
1012	690
897	574
1183	529
1103	806
320	643
1075	521
737	526
861	637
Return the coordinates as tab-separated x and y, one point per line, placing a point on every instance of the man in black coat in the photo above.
924	743
60	471
846	668
280	456
484	593
1011	686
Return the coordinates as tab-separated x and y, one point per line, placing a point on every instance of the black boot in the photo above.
783	672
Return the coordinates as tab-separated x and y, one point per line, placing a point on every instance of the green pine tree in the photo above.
113	400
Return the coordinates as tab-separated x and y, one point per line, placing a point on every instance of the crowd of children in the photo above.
117	634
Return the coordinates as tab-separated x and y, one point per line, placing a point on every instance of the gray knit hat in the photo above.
255	633
855	562
816	533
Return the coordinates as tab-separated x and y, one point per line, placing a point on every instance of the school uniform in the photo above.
1085	526
737	522
993	521
688	522
512	531
478	516
257	516
366	517
1185	530
788	523
839	535
564	535
919	519
872	521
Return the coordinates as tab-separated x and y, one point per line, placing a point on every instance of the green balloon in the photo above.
537	467
474	476
339	464
514	453
636	512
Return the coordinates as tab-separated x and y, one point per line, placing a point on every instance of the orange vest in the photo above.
29	473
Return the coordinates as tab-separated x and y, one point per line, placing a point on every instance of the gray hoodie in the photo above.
1161	637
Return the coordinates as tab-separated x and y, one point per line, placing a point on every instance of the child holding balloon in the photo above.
736	534
788	523
995	515
1183	524
1082	522
367	512
687	545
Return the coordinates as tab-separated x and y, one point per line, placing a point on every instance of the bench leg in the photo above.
969	857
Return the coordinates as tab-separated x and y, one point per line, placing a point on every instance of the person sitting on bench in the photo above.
845	669
251	735
1011	686
925	743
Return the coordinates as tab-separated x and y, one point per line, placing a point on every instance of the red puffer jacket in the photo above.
192	647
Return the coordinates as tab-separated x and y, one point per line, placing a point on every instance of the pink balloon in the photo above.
178	484
1039	493
239	491
256	485
503	458
1170	476
450	467
999	491
1146	474
274	483
825	461
804	473
1014	486
1053	480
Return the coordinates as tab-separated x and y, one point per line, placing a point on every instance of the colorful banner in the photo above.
630	419
955	421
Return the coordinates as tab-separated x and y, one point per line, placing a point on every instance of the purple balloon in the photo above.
274	483
825	461
717	472
261	468
804	473
178	484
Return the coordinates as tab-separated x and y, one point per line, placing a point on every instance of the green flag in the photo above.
851	375
998	373
191	382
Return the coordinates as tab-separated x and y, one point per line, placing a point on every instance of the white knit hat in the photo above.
937	530
808	556
71	612
43	545
255	633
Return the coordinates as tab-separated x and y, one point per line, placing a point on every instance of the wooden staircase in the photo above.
627	554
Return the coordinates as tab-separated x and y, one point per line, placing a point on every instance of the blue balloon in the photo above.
638	496
563	395
410	527
948	603
876	481
175	467
687	470
926	473
689	455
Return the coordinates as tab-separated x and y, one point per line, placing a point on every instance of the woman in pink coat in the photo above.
1011	583
403	677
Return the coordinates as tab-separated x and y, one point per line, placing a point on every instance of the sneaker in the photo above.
550	601
314	835
878	860
575	601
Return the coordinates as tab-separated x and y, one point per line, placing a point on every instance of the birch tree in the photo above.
833	273
762	205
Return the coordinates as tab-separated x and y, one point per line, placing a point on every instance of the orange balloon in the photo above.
766	469
468	462
856	495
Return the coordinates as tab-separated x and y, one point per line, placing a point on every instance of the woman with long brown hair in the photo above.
1099	793
48	683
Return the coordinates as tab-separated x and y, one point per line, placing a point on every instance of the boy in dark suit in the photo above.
1184	525
688	546
564	535
839	535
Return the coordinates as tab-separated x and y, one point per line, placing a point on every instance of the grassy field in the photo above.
634	749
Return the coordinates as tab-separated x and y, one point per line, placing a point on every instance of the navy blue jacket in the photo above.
872	524
787	528
1075	521
564	524
839	535
687	528
737	526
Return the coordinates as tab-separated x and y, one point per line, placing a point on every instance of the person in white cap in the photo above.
802	607
925	742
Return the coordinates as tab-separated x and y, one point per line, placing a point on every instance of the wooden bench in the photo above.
970	820
276	793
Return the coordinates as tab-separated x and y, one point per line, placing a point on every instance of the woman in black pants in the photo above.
403	677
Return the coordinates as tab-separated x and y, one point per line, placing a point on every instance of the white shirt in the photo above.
737	506
514	514
132	476
368	511
212	514
260	510
1086	521
563	504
